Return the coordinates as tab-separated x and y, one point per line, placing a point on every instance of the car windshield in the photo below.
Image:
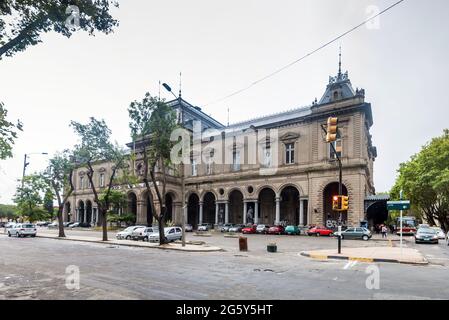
28	226
129	229
426	231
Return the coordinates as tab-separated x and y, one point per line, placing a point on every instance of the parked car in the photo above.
262	228
143	233
250	229
10	225
440	233
22	230
320	231
53	225
2	224
42	224
276	230
292	230
237	228
426	235
74	225
127	233
226	227
204	227
85	225
188	227
356	233
171	234
66	224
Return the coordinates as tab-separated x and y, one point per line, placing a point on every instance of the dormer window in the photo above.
335	95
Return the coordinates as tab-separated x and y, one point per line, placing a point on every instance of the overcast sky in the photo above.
222	46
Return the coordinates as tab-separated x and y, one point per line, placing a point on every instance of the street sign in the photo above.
398	205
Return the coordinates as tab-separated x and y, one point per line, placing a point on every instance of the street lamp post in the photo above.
25	163
183	203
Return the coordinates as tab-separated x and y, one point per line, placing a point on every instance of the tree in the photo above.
8	212
152	121
425	181
29	198
48	203
95	146
8	133
59	176
22	21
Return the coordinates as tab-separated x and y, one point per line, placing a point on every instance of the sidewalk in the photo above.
371	254
140	244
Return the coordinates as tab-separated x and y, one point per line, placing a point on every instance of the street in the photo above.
36	268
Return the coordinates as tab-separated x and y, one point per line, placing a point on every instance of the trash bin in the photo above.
272	247
243	243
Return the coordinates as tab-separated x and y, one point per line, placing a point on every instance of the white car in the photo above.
53	225
439	232
171	234
22	230
127	233
204	227
143	233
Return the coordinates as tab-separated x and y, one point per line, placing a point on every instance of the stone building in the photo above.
272	169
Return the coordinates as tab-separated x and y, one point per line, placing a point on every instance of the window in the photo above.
290	153
338	145
81	182
267	157
89	185
101	180
236	160
194	168
209	164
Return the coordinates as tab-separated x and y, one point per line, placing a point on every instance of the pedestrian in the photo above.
384	231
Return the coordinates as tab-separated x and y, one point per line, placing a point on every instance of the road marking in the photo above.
350	264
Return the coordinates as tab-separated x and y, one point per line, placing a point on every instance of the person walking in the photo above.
384	231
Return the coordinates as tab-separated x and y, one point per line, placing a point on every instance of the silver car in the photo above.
143	233
171	234
22	230
127	233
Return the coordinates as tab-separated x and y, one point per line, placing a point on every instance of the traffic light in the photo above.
336	203
344	203
332	125
340	203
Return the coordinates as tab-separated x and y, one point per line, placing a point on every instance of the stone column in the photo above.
201	213
227	212
92	217
256	212
85	214
141	217
301	212
216	212
278	210
245	210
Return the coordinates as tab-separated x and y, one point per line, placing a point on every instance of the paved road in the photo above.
36	269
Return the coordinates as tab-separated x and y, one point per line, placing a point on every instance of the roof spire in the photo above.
339	65
180	84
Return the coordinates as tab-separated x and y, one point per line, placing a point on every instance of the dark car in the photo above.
426	235
84	225
276	230
356	233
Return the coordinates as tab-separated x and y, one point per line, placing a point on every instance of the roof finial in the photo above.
180	84
228	116
339	65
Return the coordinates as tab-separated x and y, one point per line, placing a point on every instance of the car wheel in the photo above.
331	234
342	237
365	238
318	234
128	238
33	235
145	239
166	240
9	235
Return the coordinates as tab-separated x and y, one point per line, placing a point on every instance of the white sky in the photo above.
222	46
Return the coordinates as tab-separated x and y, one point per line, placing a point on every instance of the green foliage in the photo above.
8	133
22	21
425	181
48	202
29	198
8	211
128	219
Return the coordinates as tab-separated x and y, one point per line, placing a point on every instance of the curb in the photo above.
130	244
367	260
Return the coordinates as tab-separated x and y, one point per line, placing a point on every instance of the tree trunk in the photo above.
104	224
60	220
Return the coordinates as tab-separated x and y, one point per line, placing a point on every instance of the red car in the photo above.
276	230
320	231
249	230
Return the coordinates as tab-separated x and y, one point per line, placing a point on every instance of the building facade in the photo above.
272	170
